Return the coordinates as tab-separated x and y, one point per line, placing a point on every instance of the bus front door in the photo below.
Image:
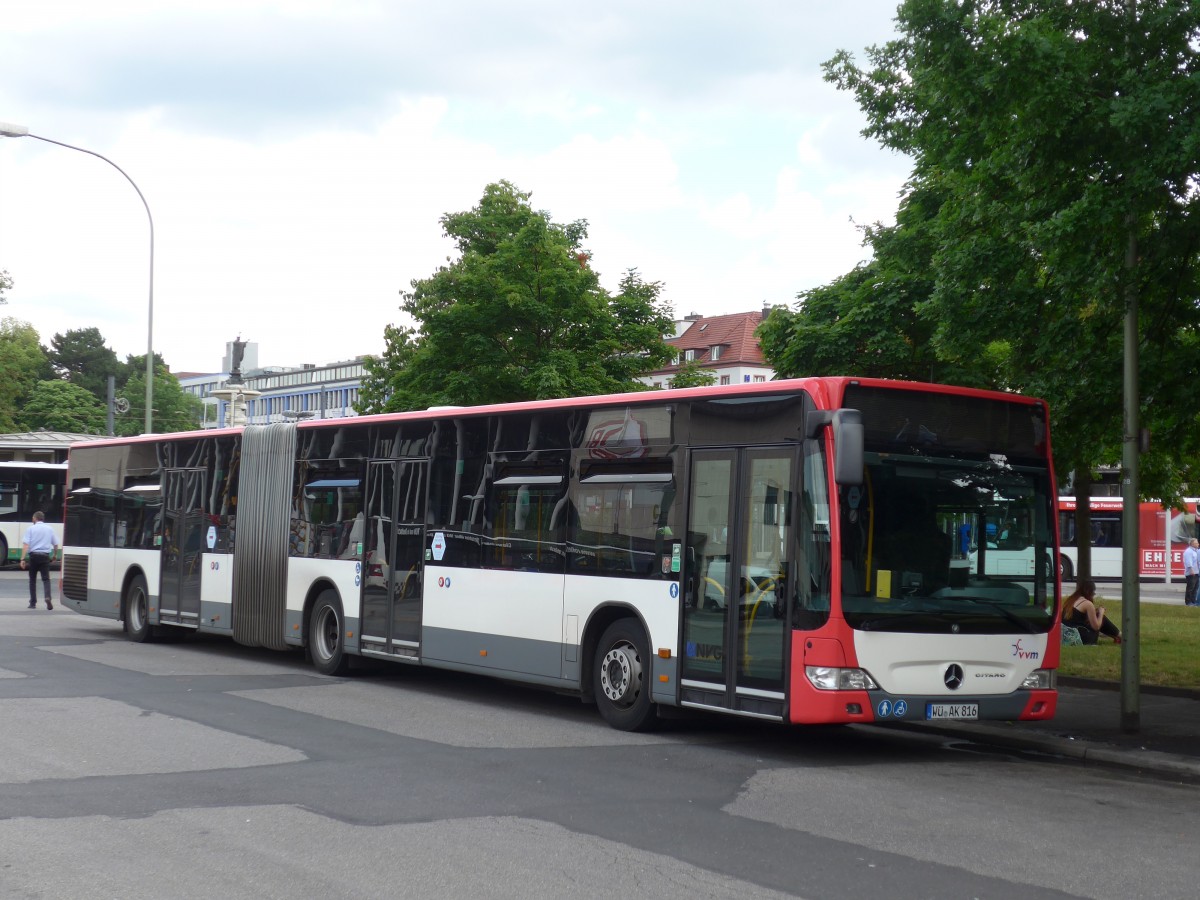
184	527
740	547
394	562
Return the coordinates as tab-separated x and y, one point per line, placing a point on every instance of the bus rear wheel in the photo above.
326	636
622	678
137	611
1065	570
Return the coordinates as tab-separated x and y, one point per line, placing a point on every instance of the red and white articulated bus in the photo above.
785	550
1162	533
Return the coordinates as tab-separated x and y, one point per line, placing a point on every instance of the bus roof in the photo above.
826	391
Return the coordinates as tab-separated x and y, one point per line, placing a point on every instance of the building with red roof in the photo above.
724	345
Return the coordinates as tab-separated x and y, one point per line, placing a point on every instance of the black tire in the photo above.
3	551
327	635
136	611
1065	570
622	678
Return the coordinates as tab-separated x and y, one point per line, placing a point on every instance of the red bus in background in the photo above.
1157	528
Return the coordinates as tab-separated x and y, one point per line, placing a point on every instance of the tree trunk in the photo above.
1083	523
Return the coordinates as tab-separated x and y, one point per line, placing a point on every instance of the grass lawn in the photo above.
1170	647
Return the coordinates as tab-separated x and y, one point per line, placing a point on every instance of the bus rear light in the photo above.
830	678
1039	680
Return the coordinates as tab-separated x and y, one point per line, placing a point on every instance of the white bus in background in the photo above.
25	488
1008	551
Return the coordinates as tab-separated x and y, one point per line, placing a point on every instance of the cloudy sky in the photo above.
296	156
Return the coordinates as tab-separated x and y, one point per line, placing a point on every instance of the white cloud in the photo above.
297	157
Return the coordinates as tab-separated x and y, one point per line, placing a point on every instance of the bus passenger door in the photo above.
394	563
740	551
184	527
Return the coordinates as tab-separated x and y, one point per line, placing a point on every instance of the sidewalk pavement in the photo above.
1087	727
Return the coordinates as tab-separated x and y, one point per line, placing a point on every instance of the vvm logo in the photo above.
1020	653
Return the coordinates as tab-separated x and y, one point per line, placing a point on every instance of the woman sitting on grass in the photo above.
1081	612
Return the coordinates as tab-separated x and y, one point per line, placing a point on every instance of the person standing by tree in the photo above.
37	549
1191	571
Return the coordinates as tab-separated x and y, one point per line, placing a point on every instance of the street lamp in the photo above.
7	130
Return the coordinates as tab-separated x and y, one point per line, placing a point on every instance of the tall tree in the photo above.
1052	131
174	408
22	364
62	406
519	315
82	357
872	321
6	284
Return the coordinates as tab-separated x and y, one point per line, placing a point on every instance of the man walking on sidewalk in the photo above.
37	549
1191	572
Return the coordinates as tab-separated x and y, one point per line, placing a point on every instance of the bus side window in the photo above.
523	530
8	499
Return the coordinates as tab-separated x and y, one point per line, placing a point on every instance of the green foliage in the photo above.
81	357
62	406
1056	153
520	315
869	321
692	374
22	364
174	409
6	284
382	372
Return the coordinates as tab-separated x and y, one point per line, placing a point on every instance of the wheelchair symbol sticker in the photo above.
900	709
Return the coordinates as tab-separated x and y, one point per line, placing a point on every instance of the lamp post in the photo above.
7	130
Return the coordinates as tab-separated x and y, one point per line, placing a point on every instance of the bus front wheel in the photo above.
326	641
622	678
137	611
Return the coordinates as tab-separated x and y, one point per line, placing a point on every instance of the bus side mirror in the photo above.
847	425
848	447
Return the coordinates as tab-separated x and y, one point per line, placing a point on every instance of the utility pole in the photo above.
1130	487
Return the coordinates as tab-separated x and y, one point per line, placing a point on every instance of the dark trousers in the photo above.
1090	636
38	562
1189	593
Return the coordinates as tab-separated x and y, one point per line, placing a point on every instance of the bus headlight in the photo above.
828	678
1039	679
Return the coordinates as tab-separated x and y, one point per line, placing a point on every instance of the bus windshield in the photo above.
948	545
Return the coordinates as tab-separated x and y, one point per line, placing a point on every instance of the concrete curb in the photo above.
1155	689
1014	738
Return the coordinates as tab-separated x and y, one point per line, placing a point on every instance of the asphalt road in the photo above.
203	769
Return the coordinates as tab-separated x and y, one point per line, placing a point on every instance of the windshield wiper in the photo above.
1011	616
927	616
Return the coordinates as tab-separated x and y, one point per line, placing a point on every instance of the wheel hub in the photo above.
620	673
